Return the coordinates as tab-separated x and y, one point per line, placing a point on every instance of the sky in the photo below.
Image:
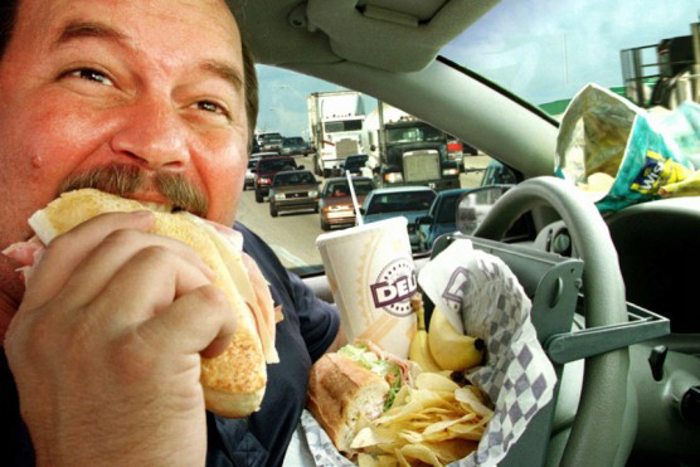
541	50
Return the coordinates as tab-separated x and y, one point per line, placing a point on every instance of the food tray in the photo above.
553	284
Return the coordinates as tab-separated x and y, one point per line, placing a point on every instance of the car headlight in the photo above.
264	181
279	196
451	172
393	177
313	194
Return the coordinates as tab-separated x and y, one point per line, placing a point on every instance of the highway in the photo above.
293	235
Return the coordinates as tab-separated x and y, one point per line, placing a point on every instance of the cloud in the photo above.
541	50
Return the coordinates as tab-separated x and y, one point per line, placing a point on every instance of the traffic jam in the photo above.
382	164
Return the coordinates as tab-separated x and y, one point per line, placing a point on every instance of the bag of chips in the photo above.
619	153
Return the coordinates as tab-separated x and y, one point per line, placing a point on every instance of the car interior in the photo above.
628	393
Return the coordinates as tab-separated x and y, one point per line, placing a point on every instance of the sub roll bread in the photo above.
353	386
234	382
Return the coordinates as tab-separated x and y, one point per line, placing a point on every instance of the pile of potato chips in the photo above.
433	423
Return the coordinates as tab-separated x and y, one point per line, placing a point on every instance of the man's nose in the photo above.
153	134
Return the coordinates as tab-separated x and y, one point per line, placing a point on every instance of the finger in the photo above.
67	251
148	282
98	269
199	321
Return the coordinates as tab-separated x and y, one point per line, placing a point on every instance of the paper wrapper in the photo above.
480	293
619	154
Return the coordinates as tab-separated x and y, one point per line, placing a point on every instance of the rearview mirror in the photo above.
475	204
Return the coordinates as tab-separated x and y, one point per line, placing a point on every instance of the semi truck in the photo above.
336	126
408	151
663	74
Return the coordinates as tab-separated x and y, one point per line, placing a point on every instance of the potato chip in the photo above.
369	436
420	452
467	397
441	426
381	460
435	382
453	449
434	423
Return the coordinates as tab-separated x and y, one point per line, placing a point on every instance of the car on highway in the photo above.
482	74
265	171
441	218
354	164
408	201
271	141
251	169
336	206
497	173
293	190
295	146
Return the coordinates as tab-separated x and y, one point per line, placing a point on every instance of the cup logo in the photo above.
394	287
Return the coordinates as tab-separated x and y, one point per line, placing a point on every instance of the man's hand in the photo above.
105	348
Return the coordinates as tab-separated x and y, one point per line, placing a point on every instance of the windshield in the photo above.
448	209
346	125
294	178
275	164
541	51
340	189
355	162
546	51
400	202
418	134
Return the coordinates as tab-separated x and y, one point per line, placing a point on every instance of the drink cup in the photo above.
372	276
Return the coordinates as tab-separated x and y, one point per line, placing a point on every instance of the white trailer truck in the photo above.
336	122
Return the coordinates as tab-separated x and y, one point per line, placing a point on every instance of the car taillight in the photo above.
454	146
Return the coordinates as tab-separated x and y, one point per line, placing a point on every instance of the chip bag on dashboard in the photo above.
618	153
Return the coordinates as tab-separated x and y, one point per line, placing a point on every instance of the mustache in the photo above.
125	180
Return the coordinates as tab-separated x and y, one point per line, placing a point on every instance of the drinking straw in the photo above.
358	216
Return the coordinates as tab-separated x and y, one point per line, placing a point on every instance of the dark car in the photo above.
354	164
335	203
441	218
266	170
295	146
410	202
253	167
294	190
497	173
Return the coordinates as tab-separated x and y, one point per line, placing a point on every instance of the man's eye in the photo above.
90	74
213	107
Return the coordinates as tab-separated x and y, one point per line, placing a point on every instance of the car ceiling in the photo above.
392	35
387	49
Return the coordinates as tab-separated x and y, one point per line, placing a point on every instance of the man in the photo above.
151	99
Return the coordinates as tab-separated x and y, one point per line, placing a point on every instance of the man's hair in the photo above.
251	88
8	16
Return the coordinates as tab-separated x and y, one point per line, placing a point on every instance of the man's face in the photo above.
153	84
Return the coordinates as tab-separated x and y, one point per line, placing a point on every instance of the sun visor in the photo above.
396	35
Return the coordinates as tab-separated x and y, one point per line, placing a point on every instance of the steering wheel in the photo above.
597	429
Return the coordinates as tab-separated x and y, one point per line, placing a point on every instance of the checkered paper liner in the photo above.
480	289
